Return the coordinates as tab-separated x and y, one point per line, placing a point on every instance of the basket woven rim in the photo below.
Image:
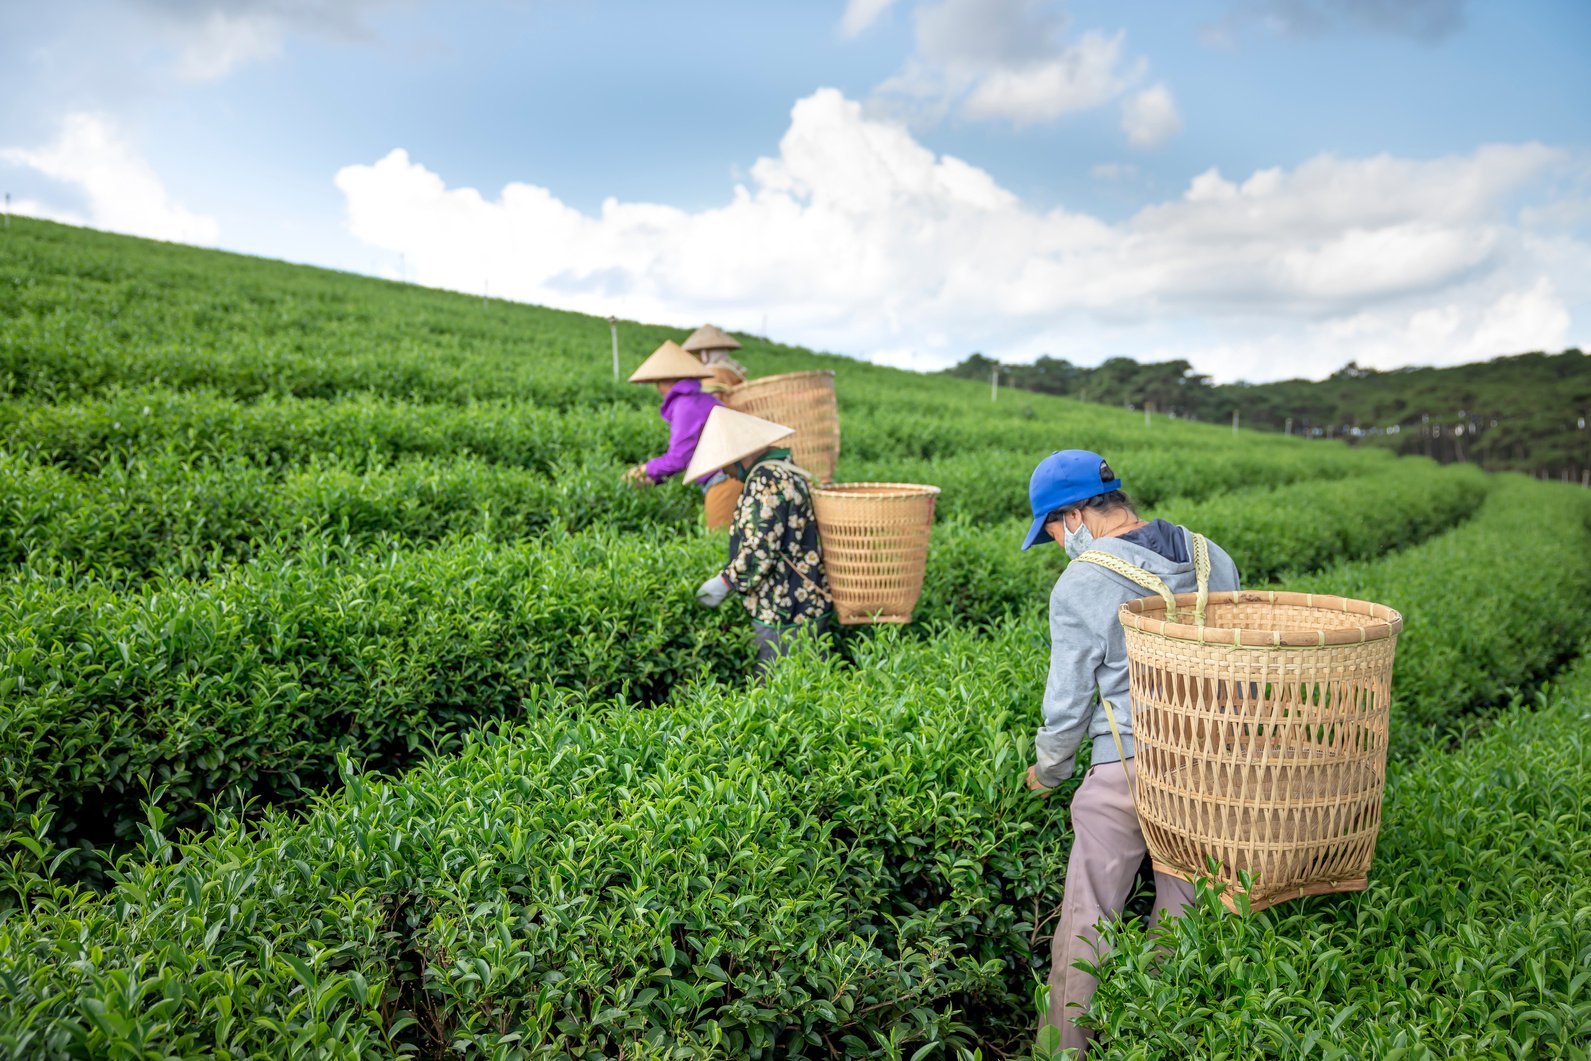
1140	615
784	376
875	490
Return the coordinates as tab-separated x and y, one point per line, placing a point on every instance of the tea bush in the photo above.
250	684
823	863
160	516
1291	530
1486	608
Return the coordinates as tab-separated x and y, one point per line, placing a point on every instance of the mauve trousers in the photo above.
1107	849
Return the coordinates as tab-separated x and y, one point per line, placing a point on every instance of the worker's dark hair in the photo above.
1101	502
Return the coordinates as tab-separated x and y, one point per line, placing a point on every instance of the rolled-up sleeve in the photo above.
1076	652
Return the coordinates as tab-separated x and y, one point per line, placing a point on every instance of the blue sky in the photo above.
1262	187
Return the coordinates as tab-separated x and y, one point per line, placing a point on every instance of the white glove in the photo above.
713	592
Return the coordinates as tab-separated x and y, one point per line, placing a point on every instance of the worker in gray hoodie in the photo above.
1078	502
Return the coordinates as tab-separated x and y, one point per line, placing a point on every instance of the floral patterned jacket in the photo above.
775	558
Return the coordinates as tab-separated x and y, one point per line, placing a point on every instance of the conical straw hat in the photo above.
729	436
670	361
710	337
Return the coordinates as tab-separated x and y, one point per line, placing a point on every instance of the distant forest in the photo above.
1526	413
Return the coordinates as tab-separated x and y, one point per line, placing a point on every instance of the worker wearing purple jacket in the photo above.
678	376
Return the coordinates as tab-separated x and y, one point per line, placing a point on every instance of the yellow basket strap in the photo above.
1154	584
1134	573
1201	571
1121	750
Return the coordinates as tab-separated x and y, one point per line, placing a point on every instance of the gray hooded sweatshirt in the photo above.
1088	651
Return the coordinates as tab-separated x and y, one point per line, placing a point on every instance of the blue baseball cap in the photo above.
1064	478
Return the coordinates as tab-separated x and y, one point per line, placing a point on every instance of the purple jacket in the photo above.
685	408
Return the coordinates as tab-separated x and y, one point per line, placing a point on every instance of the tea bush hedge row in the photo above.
161	516
253	682
158	514
1290	530
841	857
1487	607
1472	941
982	481
274	431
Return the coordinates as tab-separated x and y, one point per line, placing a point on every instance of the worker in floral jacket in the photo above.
775	558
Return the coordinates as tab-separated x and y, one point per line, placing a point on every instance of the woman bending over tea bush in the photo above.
775	558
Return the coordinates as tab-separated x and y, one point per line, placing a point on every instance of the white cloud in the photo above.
856	238
1006	60
221	41
1150	118
122	192
860	14
1083	76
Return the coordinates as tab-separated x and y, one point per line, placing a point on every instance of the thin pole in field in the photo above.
1289	425
8	209
613	329
1234	421
1146	416
994	384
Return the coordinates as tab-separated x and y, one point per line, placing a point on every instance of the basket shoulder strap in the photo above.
1121	752
1201	571
1133	573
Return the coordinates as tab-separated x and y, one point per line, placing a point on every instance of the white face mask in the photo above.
1077	541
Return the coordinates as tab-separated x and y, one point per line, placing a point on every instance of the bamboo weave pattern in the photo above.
1262	738
804	401
875	547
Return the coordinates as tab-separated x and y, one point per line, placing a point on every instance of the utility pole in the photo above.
613	329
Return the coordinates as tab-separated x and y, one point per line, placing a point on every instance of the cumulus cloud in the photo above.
121	191
860	14
1006	60
1150	117
856	238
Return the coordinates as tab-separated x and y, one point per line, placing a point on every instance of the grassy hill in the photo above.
355	708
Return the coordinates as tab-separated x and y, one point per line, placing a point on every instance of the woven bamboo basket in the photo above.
804	401
875	545
1262	738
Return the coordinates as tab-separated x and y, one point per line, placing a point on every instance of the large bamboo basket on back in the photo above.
804	401
875	546
1261	737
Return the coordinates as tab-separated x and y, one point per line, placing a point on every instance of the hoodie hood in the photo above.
1171	571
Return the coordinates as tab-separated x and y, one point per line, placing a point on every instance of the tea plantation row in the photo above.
844	861
252	683
159	513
